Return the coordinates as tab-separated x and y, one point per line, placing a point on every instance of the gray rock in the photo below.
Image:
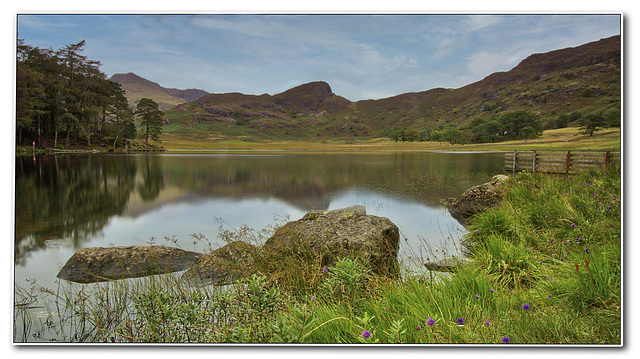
98	264
476	199
223	266
347	232
445	265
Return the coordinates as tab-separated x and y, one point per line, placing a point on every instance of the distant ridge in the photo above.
584	78
137	87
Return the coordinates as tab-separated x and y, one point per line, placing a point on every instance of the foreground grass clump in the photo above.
545	269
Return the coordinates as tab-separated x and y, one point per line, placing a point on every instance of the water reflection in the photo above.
64	202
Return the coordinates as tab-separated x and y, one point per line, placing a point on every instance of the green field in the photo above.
559	139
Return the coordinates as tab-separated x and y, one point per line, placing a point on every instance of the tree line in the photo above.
506	126
63	100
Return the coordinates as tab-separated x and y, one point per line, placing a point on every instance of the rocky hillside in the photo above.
137	87
586	78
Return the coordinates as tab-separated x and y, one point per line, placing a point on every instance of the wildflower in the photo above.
505	340
573	225
366	334
548	296
324	270
526	307
418	328
313	298
491	290
477	296
586	250
487	323
431	322
460	321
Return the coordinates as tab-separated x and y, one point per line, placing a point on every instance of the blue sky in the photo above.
362	56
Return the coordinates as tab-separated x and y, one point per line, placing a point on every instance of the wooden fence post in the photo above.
606	159
566	167
533	166
514	163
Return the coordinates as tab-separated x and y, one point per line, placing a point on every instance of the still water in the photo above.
71	201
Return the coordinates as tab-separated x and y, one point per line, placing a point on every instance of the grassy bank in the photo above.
545	269
558	139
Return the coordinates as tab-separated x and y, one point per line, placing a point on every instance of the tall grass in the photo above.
545	269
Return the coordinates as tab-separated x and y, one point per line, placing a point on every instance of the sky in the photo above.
360	55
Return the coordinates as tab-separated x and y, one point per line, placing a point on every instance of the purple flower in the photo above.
491	290
313	298
573	225
460	321
324	270
505	340
418	328
366	334
586	250
477	296
487	323
431	322
526	307
548	296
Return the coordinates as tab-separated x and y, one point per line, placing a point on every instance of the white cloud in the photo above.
484	62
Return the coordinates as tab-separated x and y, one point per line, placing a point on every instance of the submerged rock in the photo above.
476	199
446	265
98	264
347	232
223	266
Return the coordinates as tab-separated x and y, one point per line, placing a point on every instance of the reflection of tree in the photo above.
152	179
307	181
68	197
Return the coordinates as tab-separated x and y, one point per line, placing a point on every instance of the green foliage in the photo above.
591	123
150	118
612	117
346	281
62	93
412	135
520	124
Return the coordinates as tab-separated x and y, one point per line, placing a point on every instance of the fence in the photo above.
565	162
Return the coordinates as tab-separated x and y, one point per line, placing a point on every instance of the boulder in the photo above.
223	266
98	264
476	199
347	232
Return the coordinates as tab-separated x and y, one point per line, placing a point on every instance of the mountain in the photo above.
137	87
586	78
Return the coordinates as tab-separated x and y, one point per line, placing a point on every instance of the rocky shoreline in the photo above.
346	232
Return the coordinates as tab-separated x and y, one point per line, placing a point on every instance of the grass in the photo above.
558	139
545	269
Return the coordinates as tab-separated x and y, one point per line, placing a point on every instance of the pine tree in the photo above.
151	118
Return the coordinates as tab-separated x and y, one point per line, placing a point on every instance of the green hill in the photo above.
586	78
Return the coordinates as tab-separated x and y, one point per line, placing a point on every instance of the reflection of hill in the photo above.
138	206
72	197
307	181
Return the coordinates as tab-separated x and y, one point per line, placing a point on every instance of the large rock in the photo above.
347	232
223	266
477	198
98	264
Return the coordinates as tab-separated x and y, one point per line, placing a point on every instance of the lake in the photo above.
69	201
